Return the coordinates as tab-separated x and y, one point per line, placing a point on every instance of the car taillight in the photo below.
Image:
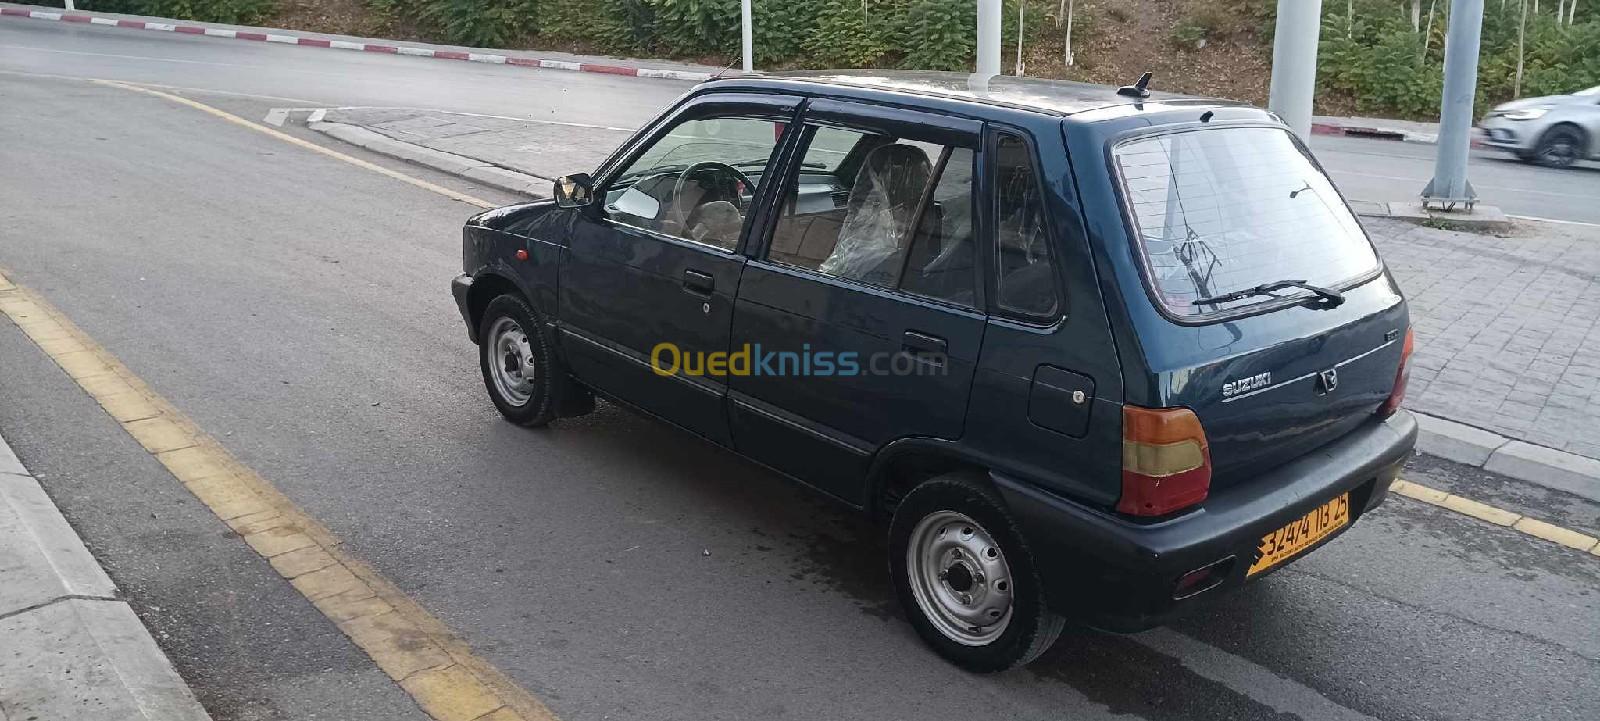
1166	463
1400	377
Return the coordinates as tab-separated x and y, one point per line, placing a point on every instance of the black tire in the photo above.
1560	147
1032	627
541	404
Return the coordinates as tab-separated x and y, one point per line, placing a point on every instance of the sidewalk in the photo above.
72	651
1507	338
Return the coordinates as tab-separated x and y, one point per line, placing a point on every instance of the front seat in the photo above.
878	220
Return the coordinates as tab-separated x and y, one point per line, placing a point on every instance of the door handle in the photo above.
927	348
698	284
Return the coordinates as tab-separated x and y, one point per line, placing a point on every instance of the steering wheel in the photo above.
731	190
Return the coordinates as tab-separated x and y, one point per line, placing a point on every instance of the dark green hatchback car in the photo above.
1092	354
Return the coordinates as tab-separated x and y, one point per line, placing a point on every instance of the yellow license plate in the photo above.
1284	543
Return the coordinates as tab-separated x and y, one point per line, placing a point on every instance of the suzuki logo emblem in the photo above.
1328	381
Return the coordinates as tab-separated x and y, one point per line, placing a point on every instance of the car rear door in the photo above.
1215	211
860	305
1048	392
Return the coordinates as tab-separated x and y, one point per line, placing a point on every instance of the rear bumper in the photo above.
1122	576
461	287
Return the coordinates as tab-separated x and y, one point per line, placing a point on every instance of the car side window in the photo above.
1026	268
697	181
887	211
940	262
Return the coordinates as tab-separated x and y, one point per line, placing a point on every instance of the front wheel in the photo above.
967	579
1559	148
517	362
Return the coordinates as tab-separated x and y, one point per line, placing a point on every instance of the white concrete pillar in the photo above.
1294	63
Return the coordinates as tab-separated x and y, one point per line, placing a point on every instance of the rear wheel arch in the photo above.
904	464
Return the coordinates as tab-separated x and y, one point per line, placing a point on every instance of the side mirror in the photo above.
574	191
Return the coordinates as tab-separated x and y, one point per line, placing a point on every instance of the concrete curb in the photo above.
1482	218
1383	132
72	649
288	37
460	165
1323	127
1548	467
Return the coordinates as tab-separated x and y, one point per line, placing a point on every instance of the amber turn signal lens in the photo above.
1401	377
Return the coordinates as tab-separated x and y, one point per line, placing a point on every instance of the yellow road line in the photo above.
308	145
427	660
1499	516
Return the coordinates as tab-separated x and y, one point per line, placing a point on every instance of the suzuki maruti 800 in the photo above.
1093	354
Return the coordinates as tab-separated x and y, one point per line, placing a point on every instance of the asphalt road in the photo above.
1364	169
296	308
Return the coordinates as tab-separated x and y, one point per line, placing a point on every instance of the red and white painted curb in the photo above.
412	50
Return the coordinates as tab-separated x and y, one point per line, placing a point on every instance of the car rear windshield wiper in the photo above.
1332	297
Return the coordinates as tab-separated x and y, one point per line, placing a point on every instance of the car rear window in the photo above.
1220	210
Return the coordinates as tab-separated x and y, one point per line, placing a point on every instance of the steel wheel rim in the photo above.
973	605
511	364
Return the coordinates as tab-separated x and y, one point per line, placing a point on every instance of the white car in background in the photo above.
1556	130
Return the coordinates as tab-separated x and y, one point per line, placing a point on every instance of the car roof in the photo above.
1062	98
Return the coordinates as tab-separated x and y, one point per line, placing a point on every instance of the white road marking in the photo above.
277	116
1257	682
1554	220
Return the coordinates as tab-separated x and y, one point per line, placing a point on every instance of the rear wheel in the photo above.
966	578
1559	147
519	368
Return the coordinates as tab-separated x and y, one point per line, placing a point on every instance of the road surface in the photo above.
295	307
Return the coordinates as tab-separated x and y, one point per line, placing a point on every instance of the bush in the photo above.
234	12
940	35
481	23
847	34
1387	67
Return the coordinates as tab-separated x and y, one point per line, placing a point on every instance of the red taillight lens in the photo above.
1166	463
1400	377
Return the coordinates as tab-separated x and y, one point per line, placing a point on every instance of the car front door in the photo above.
859	306
654	262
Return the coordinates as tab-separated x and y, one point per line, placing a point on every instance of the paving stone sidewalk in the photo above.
1506	326
545	149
